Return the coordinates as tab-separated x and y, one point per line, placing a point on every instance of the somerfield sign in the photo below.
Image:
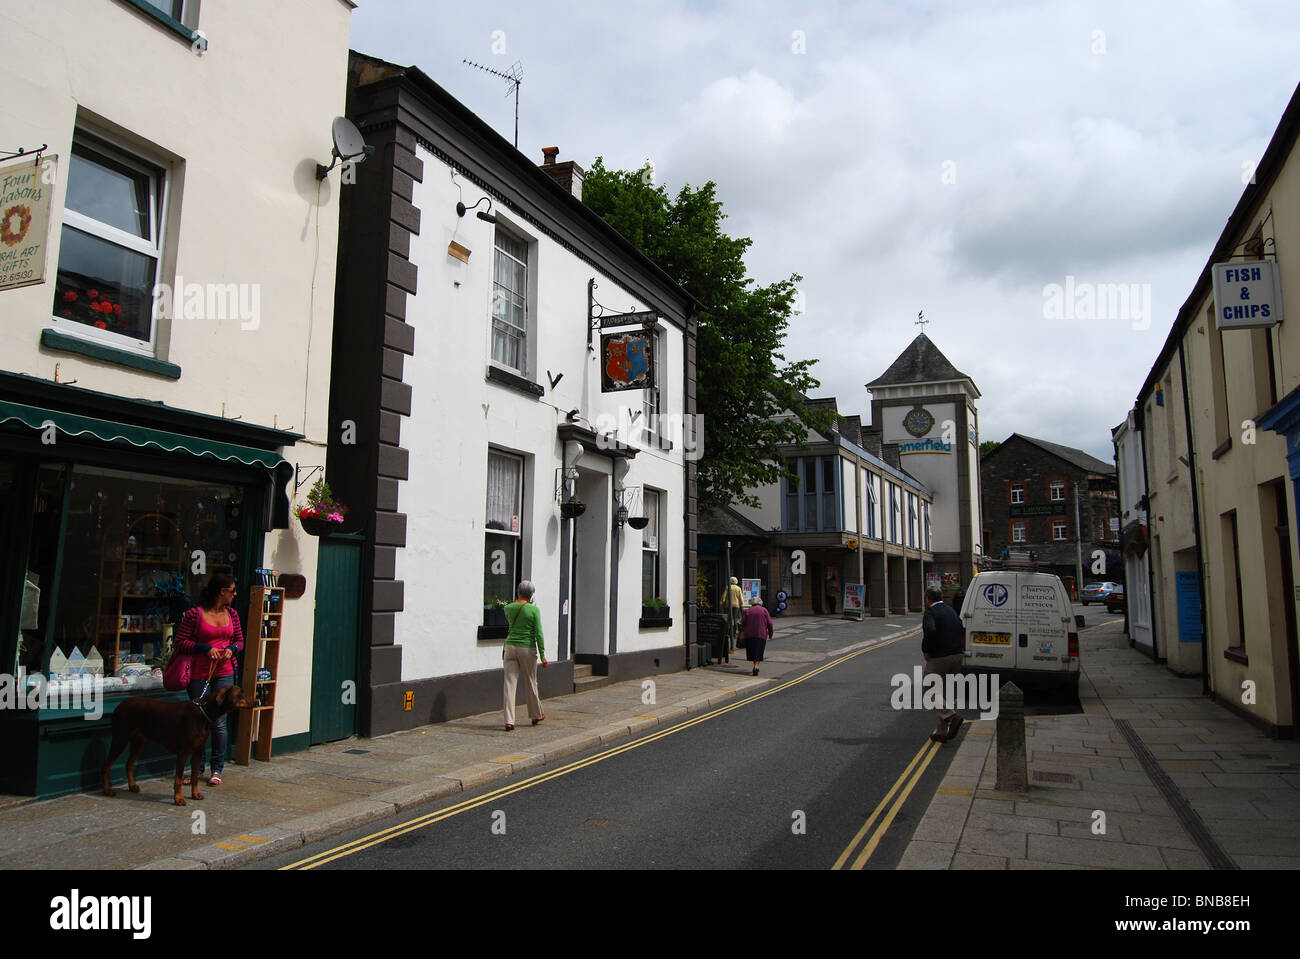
1247	295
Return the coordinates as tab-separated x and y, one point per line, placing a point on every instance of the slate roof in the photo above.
1079	458
921	362
727	522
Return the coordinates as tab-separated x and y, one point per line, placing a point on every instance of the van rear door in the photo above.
991	626
1041	641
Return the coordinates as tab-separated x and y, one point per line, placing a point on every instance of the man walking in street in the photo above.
943	638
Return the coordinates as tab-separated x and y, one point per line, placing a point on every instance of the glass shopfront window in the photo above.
115	559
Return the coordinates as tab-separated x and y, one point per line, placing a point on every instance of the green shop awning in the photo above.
140	437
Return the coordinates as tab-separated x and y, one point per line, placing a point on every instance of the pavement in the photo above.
1175	780
269	808
1179	781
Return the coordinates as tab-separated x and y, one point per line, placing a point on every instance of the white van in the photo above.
1020	625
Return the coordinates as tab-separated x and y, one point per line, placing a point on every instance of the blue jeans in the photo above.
218	735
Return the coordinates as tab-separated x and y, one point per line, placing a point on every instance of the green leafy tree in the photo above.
988	446
744	382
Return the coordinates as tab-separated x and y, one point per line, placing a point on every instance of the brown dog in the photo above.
183	728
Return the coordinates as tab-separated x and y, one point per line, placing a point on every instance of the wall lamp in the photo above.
620	517
462	209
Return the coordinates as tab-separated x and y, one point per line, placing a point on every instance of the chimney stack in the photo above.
567	174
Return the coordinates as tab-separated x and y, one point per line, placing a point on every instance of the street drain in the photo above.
355	752
598	822
1046	777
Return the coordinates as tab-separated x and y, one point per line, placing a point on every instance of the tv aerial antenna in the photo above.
513	77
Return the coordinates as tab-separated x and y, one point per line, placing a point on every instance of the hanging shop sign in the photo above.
25	191
641	318
1247	295
627	361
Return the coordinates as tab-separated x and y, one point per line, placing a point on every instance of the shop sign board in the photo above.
1247	294
25	191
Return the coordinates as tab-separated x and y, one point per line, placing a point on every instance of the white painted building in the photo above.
466	356
178	144
1135	533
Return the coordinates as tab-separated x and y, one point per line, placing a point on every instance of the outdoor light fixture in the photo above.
462	209
620	517
349	146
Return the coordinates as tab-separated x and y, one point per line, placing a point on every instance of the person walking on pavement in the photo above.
757	624
832	591
943	639
735	603
524	647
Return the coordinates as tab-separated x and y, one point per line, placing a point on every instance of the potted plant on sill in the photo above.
494	612
654	608
322	513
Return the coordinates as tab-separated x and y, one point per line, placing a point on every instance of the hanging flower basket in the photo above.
638	522
573	509
322	514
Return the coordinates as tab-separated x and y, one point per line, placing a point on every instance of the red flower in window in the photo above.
100	325
117	308
67	313
70	296
93	294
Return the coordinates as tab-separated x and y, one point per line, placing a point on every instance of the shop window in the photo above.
502	541
132	552
110	246
510	303
650	579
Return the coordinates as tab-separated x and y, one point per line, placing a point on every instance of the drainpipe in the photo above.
1151	574
1196	520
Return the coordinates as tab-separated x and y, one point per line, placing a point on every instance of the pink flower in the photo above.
335	517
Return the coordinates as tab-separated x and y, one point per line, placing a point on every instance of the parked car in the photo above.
1097	592
1115	601
1021	626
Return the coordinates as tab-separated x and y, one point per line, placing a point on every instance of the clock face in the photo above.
919	421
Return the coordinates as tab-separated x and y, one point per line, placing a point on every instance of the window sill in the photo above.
659	622
516	382
169	23
1237	654
493	632
51	339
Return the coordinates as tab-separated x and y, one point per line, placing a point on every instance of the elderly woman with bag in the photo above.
211	634
757	627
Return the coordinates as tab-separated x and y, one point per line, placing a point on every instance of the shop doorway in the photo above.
334	671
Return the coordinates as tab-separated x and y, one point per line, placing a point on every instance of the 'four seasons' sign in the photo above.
25	190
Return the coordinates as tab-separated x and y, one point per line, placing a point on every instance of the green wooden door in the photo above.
334	675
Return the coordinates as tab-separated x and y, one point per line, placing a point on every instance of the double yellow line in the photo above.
906	782
420	822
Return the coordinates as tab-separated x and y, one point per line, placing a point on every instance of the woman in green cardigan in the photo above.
524	647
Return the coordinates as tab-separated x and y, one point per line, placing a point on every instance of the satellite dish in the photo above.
348	142
349	145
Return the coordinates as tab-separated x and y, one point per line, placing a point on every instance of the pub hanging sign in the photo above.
1247	294
627	361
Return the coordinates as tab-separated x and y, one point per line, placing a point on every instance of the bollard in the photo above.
1013	774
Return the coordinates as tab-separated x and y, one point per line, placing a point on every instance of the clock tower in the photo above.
926	406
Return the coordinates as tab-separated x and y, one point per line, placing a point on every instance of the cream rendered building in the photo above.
146	436
1221	510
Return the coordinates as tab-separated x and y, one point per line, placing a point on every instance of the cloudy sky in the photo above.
958	158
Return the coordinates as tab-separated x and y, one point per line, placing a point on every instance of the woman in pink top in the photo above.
757	624
211	630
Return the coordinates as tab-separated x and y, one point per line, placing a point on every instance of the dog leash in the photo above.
207	682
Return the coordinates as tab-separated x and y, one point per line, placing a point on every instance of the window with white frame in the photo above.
110	246
1060	529
912	519
926	508
872	497
1057	490
173	8
502	539
893	513
652	402
510	302
1017	492
650	578
1017	532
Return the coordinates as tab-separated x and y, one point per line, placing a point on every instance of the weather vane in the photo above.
921	321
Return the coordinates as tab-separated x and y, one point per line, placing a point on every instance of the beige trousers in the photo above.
518	659
944	666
